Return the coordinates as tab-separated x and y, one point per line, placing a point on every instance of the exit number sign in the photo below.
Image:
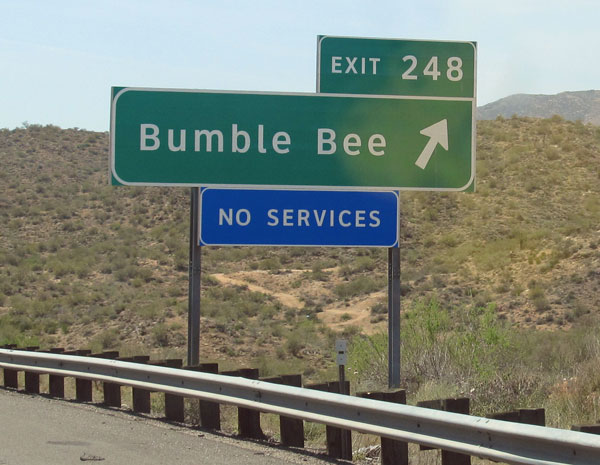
423	68
435	70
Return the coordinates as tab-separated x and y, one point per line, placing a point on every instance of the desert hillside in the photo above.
88	264
581	106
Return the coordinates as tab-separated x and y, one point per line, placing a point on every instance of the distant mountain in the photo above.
573	106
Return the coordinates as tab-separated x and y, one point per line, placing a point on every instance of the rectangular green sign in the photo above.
396	67
355	65
167	137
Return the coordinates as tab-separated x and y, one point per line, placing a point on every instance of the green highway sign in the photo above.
167	137
396	67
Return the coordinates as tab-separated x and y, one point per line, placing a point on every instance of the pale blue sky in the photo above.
59	58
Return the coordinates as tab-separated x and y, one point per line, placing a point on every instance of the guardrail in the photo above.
496	440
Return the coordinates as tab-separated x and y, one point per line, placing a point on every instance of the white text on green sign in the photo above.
396	67
173	137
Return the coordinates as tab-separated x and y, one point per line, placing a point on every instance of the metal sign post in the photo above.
195	268
394	317
341	360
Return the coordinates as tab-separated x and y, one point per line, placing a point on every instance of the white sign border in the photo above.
123	90
199	241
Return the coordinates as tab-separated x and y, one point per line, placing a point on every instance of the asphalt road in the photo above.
36	430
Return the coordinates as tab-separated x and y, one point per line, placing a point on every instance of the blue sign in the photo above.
298	218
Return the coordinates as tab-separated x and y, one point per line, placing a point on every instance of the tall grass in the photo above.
469	351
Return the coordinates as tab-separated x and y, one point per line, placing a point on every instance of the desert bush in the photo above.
447	352
270	264
107	339
539	299
294	344
359	286
160	335
368	362
439	344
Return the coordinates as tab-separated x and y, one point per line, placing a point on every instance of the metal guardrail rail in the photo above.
496	440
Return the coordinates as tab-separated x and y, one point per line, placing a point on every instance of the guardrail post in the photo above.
83	387
393	452
533	416
334	435
11	377
159	363
248	419
111	391
56	383
32	380
530	416
591	429
459	405
210	412
140	397
342	448
291	430
174	410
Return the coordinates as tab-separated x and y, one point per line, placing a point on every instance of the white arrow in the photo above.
438	134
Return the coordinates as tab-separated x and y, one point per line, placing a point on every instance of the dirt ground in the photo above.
336	313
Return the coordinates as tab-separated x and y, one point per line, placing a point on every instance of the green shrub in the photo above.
160	335
538	298
359	286
461	347
270	264
107	339
294	344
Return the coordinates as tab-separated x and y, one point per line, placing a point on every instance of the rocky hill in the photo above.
573	106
